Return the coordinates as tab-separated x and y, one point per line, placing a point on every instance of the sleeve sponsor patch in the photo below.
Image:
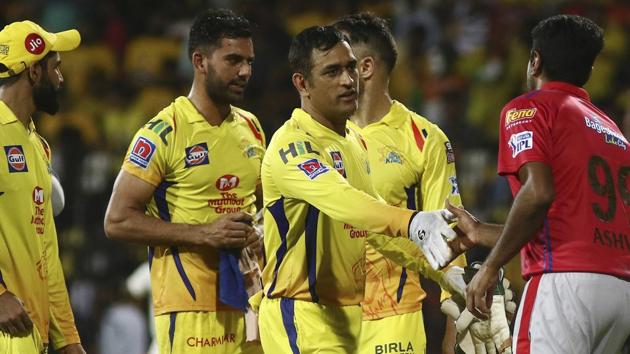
313	168
520	142
517	116
454	185
450	156
142	152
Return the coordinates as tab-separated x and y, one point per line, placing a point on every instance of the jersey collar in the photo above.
568	88
397	114
6	114
193	115
311	126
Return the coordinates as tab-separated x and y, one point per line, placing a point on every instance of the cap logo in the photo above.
34	44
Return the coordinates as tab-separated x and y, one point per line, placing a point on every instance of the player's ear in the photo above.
301	84
535	63
34	73
366	67
198	63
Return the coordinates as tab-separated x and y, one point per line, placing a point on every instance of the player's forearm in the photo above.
488	234
132	225
525	218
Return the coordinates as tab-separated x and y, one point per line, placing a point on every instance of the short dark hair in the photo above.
215	24
373	31
568	46
317	37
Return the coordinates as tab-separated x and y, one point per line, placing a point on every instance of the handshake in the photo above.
439	243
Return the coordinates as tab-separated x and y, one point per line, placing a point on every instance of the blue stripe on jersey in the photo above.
277	211
310	232
171	329
182	272
287	308
2	280
411	197
160	200
547	249
151	254
401	284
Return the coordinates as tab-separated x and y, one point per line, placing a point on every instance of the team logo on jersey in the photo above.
520	142
142	152
514	115
16	158
38	195
313	168
393	157
454	185
227	182
197	155
450	155
338	162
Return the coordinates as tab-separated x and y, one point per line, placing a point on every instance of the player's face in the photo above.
229	70
45	90
333	84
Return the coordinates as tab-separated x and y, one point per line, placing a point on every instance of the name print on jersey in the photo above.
16	158
520	142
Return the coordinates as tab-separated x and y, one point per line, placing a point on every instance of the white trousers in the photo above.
573	313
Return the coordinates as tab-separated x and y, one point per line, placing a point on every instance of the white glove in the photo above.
58	198
453	281
429	230
488	336
510	302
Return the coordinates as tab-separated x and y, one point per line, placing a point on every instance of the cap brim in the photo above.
66	40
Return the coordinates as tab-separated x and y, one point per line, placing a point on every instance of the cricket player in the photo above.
34	306
320	206
188	188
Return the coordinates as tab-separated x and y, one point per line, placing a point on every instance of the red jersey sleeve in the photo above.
524	135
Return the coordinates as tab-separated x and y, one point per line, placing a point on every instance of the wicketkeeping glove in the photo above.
429	230
489	336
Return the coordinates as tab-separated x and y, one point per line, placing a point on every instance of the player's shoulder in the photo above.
251	122
291	138
423	129
523	108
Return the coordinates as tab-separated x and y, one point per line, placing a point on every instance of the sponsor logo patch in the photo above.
142	152
450	156
38	195
520	142
313	168
610	136
338	162
514	115
227	182
16	158
296	149
34	44
197	155
454	185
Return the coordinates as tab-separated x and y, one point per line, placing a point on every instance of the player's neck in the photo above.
336	125
213	113
19	102
374	104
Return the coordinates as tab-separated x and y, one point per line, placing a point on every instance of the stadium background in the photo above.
459	62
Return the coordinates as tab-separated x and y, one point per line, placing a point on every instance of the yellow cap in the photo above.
24	43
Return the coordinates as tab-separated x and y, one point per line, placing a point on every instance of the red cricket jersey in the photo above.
587	228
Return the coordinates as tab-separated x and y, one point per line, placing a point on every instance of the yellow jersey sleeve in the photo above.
307	177
439	182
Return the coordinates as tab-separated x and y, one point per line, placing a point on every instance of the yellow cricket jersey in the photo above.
320	206
200	172
29	255
413	166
